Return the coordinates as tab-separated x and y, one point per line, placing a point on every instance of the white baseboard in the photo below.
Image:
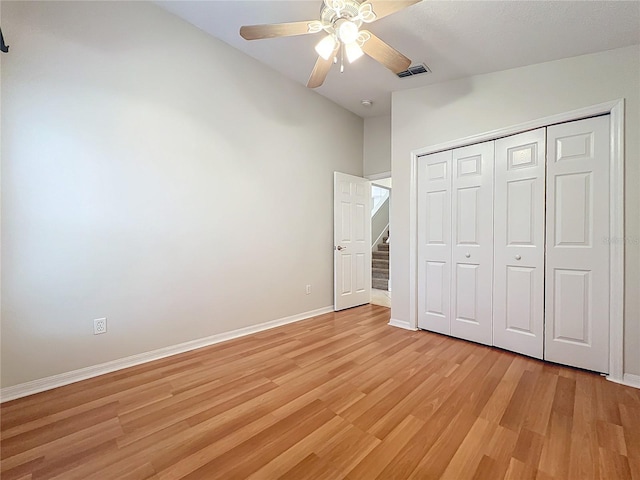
628	379
55	381
631	380
401	324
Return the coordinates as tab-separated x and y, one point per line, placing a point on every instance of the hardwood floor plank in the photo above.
564	399
518	470
613	465
488	468
611	437
500	450
172	464
56	430
248	457
514	414
22	470
630	417
584	457
342	395
634	466
347	449
494	408
65	446
377	459
529	447
301	454
537	419
557	447
469	454
436	460
311	467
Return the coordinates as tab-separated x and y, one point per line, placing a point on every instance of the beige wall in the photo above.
377	145
154	175
448	111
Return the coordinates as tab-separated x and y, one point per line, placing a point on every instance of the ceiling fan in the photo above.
341	20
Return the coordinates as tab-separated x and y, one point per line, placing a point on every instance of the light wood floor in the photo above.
339	396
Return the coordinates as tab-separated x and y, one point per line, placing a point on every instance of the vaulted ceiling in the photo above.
454	39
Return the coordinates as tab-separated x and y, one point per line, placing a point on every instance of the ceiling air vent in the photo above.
415	70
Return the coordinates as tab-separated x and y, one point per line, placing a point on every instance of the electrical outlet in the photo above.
99	326
308	289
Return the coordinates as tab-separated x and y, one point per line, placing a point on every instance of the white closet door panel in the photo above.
472	237
577	263
434	242
518	302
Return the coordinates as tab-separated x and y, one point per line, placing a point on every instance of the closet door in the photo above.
434	242
472	237
577	264
518	302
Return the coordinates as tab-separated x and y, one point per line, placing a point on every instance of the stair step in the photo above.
383	247
380	263
384	274
381	255
380	284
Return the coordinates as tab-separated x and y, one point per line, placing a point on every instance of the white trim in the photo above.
615	109
55	381
413	242
394	322
379	176
628	379
599	109
616	247
631	380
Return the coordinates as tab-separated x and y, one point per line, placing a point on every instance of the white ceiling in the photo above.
454	38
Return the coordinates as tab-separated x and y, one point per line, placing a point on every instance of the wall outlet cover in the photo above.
99	326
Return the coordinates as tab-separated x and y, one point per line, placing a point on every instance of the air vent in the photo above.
415	70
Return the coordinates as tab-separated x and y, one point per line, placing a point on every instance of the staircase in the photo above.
380	266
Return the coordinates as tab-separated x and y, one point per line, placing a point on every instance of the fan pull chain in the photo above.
341	57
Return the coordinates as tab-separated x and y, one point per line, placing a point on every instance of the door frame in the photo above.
615	109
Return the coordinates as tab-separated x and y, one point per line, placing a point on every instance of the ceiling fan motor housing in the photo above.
348	10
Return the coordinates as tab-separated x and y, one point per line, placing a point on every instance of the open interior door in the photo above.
352	241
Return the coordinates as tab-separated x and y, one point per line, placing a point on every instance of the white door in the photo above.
472	238
434	242
577	264
518	292
352	241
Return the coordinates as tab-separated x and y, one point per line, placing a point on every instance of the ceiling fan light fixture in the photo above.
326	46
341	20
347	31
353	51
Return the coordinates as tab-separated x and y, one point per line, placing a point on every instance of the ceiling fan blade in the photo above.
382	8
256	32
385	54
320	72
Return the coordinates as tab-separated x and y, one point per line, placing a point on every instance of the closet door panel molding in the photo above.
434	242
472	239
577	262
518	302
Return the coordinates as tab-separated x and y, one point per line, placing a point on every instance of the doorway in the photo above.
381	189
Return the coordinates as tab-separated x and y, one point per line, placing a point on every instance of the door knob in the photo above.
518	257
467	254
339	247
